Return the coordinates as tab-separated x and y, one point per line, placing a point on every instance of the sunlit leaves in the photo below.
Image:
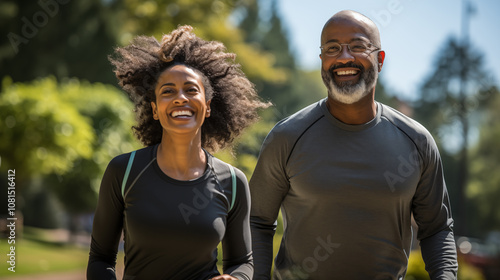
41	133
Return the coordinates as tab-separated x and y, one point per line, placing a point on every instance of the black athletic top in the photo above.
171	228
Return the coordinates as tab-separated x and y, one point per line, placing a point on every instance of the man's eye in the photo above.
358	47
333	49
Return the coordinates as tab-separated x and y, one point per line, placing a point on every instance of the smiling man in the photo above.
348	173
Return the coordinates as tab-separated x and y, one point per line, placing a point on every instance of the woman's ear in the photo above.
155	110
208	109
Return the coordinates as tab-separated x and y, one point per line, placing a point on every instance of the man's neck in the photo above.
357	113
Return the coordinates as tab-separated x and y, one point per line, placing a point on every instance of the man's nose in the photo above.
345	55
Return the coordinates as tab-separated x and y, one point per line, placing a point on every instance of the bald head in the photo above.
366	25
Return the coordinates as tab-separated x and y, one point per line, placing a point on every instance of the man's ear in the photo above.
380	58
155	110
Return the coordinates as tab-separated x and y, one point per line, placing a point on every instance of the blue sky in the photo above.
412	33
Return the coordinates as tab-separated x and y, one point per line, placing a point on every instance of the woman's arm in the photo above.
237	242
108	223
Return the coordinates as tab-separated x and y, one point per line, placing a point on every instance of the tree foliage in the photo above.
59	38
111	116
453	99
63	134
484	187
439	104
211	22
41	133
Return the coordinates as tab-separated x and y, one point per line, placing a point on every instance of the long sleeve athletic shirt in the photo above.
347	193
171	228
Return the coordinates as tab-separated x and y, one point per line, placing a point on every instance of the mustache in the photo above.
346	65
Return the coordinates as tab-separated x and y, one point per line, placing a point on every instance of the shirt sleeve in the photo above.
237	242
432	212
108	223
268	187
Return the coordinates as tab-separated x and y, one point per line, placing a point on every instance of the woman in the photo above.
173	200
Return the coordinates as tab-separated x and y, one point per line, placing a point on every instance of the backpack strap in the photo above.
223	173
233	182
127	172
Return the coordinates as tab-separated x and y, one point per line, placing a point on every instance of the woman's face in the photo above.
180	101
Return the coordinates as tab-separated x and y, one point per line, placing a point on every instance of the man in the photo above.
348	173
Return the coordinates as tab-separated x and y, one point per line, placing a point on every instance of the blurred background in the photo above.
62	116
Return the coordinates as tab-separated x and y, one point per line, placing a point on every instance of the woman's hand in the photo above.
224	277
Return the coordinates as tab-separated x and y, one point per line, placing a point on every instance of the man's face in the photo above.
349	76
350	90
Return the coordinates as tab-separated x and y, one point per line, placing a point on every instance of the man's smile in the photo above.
346	74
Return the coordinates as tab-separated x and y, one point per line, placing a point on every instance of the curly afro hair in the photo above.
234	99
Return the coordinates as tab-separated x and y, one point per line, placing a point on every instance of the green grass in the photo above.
35	257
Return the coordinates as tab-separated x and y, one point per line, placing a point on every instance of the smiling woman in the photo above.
173	200
234	101
180	102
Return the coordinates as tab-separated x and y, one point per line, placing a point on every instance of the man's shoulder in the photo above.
286	132
301	120
412	128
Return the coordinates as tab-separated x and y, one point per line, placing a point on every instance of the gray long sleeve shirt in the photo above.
347	193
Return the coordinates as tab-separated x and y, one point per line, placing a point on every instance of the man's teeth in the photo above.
182	113
347	72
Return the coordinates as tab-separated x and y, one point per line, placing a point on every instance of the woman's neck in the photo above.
181	159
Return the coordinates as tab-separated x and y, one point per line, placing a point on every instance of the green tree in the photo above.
211	22
60	137
271	37
110	114
41	133
484	187
450	102
60	38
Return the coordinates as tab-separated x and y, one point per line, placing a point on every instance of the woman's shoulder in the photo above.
122	160
222	167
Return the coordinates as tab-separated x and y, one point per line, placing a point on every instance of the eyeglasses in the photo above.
355	47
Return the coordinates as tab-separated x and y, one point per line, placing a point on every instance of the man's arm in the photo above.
268	187
440	255
432	212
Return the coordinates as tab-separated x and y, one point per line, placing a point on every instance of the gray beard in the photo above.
349	92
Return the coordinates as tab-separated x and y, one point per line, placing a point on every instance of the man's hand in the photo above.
224	277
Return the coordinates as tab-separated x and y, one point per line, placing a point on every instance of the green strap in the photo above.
233	180
127	172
